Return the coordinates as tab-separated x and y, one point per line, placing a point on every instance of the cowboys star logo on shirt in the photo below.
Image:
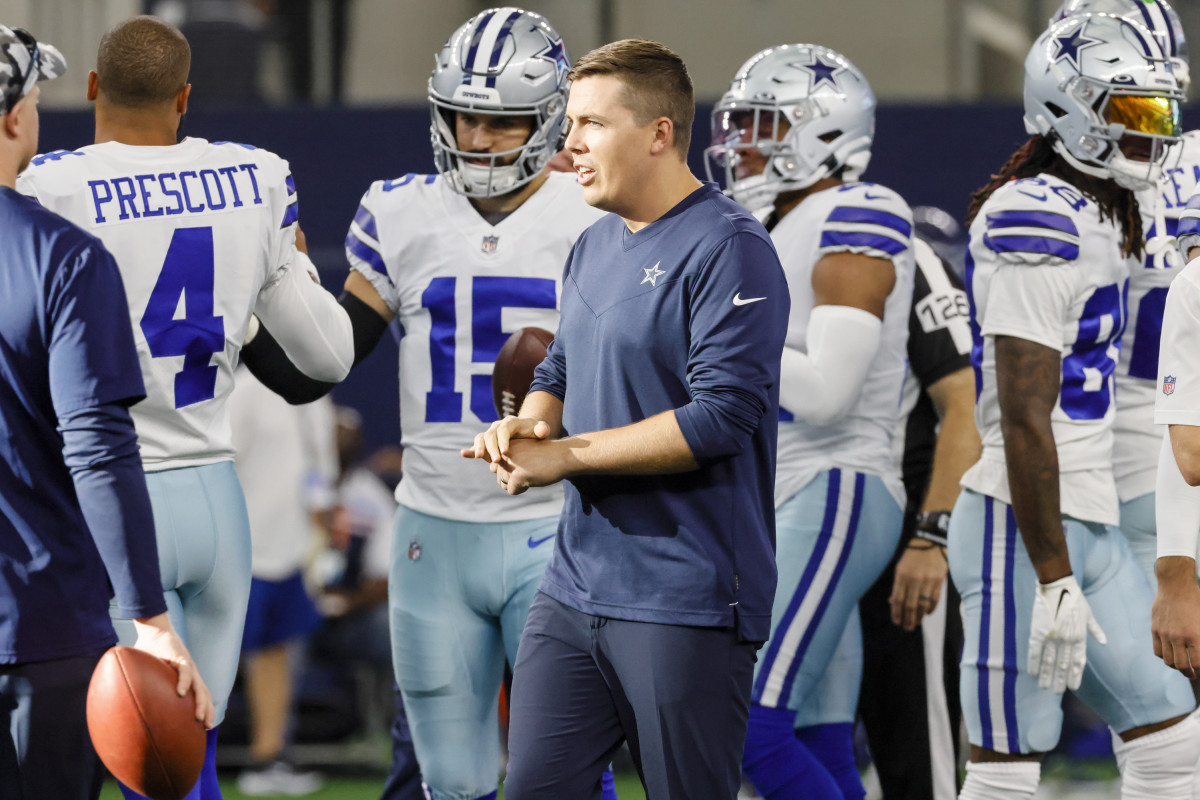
1169	384
489	244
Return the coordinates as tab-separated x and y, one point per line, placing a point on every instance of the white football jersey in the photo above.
872	220
1137	439
197	230
1043	266
460	286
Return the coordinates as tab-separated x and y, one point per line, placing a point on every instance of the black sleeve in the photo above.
267	361
939	333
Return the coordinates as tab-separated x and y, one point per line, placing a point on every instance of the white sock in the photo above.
1001	780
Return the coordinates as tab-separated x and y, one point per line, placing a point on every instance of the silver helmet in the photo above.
805	109
502	61
1157	15
1096	81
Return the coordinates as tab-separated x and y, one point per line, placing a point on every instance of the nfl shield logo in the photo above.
414	550
489	244
1169	384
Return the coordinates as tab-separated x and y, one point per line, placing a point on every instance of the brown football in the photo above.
514	368
145	733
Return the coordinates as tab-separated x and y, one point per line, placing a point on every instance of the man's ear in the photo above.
664	135
181	99
93	85
14	120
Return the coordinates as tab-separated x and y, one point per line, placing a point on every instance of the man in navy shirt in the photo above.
75	522
657	404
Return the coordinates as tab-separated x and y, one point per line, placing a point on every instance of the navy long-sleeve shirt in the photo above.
688	314
72	492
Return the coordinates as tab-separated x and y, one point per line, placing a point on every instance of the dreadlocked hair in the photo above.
1116	203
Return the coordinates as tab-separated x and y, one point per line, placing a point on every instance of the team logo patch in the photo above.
1169	384
414	550
653	274
489	244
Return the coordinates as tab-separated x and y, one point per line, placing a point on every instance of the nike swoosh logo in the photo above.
535	542
870	196
738	301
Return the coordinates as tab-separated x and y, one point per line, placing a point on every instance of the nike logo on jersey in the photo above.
869	196
738	301
535	542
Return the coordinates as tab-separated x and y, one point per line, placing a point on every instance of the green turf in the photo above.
345	788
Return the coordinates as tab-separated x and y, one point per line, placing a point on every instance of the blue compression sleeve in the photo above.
100	448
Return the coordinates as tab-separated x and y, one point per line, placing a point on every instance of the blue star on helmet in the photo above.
1068	46
823	72
555	53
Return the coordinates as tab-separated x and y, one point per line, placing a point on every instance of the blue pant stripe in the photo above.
1010	633
985	620
806	640
831	498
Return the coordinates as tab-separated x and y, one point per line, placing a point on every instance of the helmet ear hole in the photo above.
1058	111
829	137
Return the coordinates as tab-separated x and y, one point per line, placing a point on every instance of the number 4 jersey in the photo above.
197	230
460	287
1044	267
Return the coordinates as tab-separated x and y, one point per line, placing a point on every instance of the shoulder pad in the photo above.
869	219
1028	222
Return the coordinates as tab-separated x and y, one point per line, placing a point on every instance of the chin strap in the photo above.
1162	247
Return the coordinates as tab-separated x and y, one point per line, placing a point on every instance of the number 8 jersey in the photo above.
198	230
460	287
1043	266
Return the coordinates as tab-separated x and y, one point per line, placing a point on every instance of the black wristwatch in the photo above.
932	526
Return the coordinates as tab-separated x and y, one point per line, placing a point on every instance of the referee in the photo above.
911	628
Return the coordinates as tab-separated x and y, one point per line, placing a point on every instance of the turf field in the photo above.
339	787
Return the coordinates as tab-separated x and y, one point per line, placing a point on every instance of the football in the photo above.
514	368
144	732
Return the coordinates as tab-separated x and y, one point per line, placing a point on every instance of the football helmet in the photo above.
793	114
1095	82
1156	15
502	61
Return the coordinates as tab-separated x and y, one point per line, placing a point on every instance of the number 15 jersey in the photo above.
198	230
1043	266
460	286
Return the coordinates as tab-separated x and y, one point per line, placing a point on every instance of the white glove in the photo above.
1058	633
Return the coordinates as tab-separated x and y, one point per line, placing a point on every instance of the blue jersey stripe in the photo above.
366	221
871	216
498	47
1188	226
985	624
290	215
858	239
365	252
290	182
1032	219
1032	244
474	50
1011	668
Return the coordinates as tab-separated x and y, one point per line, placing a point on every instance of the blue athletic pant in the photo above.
47	752
583	684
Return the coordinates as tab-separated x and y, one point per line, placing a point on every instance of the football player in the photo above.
794	130
1034	547
463	258
204	235
1136	439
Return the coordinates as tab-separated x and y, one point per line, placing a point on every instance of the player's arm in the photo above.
844	329
1175	619
922	568
94	377
263	355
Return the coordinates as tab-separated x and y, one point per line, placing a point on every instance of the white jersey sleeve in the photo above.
1044	266
197	230
459	287
1178	400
